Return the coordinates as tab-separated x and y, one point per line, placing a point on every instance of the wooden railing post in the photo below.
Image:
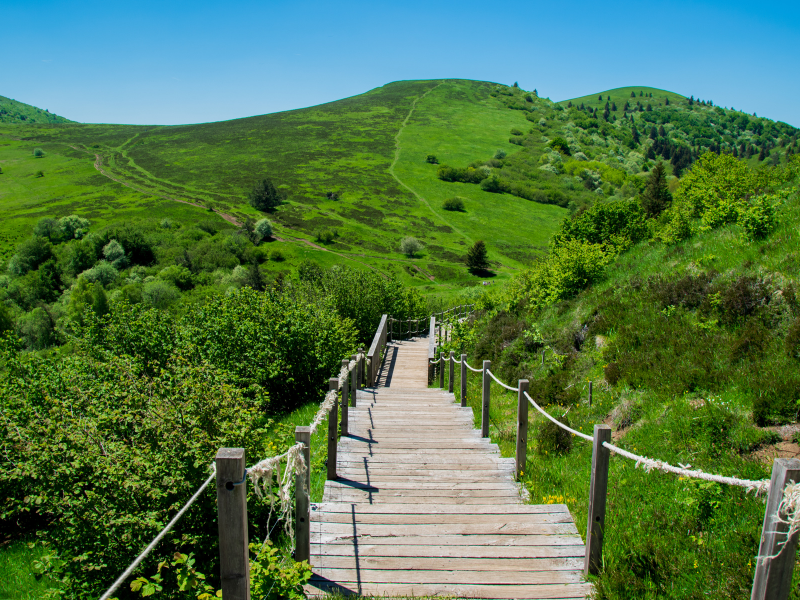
463	380
590	393
234	562
773	578
598	488
353	381
441	370
431	348
302	502
345	394
360	368
522	428
333	430
485	399
450	372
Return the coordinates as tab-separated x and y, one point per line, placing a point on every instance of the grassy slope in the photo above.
620	95
347	147
12	111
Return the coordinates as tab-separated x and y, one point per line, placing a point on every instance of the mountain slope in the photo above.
12	111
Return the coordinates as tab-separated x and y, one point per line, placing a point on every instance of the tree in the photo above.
661	131
254	279
666	102
653	133
410	246
431	158
6	320
38	152
649	107
635	133
115	254
763	154
73	226
454	203
600	97
477	257
265	196
516	84
656	197
633	94
263	230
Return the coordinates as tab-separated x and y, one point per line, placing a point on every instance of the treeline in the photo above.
492	183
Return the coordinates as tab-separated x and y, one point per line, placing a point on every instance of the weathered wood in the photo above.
302	486
333	430
502	524
504	541
433	509
459	551
590	393
353	382
319	588
345	403
464	380
375	351
431	348
452	365
460	577
598	488
232	519
521	456
441	370
361	362
773	576
566	563
485	399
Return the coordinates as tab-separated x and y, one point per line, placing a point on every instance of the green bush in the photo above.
38	152
757	217
431	158
552	439
454	203
410	246
39	174
561	145
619	224
500	154
276	256
180	277
792	341
73	226
265	196
103	272
30	254
159	294
263	230
326	236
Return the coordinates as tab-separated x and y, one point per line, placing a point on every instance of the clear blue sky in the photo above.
187	62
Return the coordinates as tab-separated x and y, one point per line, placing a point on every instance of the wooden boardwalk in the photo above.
424	506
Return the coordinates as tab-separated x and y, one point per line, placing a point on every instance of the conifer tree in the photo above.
653	133
691	100
477	257
633	94
666	102
607	106
735	152
570	104
614	106
656	197
600	97
649	107
763	154
661	131
635	133
641	93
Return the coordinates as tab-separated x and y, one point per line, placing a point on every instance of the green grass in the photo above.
17	581
12	111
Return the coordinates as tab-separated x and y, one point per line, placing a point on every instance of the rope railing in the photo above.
781	528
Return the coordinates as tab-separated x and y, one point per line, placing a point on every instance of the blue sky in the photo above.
187	62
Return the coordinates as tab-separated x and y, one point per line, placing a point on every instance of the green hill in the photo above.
623	94
12	111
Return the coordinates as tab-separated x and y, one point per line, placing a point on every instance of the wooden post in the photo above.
485	400
543	357
522	428
597	501
463	380
360	369
590	393
345	394
234	563
302	503
450	372
773	578
333	430
353	382
441	370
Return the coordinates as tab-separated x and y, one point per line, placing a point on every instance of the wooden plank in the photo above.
432	484
454	540
494	523
459	577
437	529
546	550
318	588
447	564
396	499
433	509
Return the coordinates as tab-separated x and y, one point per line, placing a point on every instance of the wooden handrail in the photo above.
375	351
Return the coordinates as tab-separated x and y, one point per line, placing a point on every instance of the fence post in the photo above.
234	562
463	380
485	400
360	368
302	503
598	489
345	394
353	381
590	393
450	372
773	578
522	428
441	370
542	357
333	429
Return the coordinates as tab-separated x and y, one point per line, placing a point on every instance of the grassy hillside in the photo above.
12	111
692	345
623	94
369	150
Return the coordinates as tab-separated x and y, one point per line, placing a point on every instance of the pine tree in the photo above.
763	154
635	133
656	197
691	100
633	94
641	94
649	107
582	106
666	102
607	106
661	131
653	133
265	196
600	97
735	152
606	113
614	106
570	104
477	257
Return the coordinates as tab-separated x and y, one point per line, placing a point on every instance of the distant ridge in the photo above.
12	111
622	93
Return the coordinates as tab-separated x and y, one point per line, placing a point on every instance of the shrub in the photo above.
742	298
115	254
431	159
30	254
38	152
757	218
48	227
410	246
159	294
492	184
263	230
792	342
560	144
552	439
454	203
265	196
325	236
656	197
515	131
166	223
500	154
618	224
276	256
73	226
36	329
39	174
612	373
180	277
753	339
103	273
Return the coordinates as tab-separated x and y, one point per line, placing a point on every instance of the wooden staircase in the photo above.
424	506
